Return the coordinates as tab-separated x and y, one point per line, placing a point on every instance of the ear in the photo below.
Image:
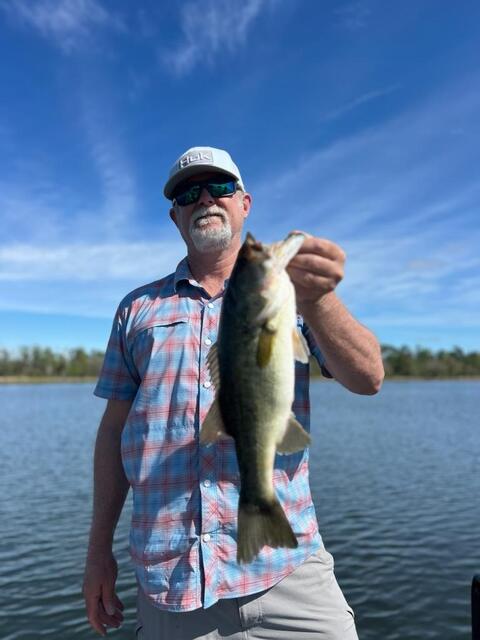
173	216
249	239
246	204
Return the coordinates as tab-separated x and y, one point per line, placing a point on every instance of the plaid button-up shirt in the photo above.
185	495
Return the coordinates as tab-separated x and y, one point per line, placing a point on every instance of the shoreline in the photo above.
46	379
4	380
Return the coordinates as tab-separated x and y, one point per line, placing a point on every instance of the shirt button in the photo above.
210	305
206	537
206	483
208	341
207	384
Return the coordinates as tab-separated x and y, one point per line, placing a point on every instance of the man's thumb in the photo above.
107	599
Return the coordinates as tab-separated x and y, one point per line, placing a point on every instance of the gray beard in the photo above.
207	238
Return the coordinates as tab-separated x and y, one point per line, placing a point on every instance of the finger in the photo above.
108	598
313	262
92	604
116	618
308	280
322	247
316	266
110	614
107	619
94	620
118	603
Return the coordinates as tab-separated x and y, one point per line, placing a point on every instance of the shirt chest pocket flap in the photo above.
160	344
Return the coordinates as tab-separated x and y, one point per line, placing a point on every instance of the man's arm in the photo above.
110	491
352	353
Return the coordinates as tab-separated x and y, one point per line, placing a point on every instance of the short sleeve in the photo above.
119	378
315	350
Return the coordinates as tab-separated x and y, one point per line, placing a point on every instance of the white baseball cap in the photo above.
198	160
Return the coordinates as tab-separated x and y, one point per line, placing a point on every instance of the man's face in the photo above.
211	224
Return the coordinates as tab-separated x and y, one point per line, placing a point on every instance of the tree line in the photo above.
43	361
398	361
427	364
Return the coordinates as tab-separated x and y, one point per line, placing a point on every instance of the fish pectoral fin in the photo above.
300	346
212	427
213	366
269	310
295	437
265	346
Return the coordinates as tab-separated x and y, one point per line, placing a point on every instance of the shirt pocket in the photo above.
166	355
154	343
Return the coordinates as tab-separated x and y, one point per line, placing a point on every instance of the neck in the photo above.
212	269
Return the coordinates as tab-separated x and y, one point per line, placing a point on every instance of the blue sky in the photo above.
355	121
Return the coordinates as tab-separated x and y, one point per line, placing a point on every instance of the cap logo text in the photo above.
199	156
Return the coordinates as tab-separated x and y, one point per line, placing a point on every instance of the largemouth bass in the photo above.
252	366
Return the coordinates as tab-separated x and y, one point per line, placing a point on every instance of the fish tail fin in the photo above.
262	524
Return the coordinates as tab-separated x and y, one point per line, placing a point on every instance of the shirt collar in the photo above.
183	274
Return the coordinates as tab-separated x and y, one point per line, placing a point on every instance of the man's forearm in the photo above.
110	488
352	353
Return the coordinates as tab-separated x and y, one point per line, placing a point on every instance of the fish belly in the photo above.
256	406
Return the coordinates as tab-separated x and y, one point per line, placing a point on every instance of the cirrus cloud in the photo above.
69	24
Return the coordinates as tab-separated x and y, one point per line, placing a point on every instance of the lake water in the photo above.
396	483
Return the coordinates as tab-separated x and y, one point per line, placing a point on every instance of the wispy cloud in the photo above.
39	204
354	16
210	28
361	100
403	199
64	250
116	174
76	263
69	24
83	280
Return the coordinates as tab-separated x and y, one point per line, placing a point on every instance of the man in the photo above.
185	495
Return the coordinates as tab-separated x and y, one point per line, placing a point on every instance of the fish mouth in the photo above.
287	249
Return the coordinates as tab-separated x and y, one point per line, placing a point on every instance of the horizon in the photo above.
354	121
66	351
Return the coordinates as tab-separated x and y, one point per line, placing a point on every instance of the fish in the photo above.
252	369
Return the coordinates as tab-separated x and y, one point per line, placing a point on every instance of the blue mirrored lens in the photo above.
216	189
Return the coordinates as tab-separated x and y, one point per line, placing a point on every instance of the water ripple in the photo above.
395	482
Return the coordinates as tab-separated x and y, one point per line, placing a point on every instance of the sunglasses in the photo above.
216	187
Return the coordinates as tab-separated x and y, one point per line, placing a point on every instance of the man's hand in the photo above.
316	269
104	608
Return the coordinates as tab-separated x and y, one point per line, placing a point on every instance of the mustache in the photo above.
205	211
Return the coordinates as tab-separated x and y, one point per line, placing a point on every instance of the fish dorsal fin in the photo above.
295	437
213	366
213	427
301	351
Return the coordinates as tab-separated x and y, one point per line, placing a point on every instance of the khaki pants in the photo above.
306	605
